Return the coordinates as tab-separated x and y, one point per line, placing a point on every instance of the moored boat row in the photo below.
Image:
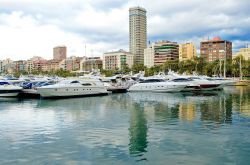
88	86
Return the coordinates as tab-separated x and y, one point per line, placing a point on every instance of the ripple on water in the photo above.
127	129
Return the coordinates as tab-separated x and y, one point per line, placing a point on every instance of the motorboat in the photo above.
196	82
9	90
205	84
30	88
117	84
221	80
73	88
157	85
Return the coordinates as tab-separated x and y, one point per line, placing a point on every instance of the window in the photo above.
86	84
74	82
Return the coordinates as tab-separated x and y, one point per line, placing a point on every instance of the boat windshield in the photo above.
181	80
194	78
74	82
86	84
4	83
151	80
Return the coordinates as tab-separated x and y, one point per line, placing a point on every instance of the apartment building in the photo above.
187	51
160	52
216	49
117	60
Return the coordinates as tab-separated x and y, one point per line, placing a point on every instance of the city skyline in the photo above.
29	28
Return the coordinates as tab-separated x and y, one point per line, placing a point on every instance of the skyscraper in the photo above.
59	53
137	33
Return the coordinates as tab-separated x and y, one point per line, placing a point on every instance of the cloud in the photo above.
30	27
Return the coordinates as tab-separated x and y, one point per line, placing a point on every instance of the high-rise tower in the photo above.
137	33
60	53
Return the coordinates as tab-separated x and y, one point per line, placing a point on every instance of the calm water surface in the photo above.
132	128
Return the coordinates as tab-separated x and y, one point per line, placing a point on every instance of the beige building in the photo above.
245	52
137	33
187	51
70	64
89	64
52	65
59	53
160	52
29	66
1	66
117	60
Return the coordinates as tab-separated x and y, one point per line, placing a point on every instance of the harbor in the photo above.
128	128
124	82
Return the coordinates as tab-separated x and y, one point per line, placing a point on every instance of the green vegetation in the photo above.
198	65
60	73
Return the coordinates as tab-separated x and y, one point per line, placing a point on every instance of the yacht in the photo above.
225	81
73	88
117	84
157	85
8	90
30	88
196	82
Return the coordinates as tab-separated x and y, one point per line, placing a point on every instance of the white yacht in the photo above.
224	81
157	85
73	88
8	90
196	82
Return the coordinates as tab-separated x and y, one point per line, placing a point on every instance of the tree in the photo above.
138	67
187	66
125	68
171	65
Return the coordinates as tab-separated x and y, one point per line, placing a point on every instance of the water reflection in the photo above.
125	128
137	131
187	111
213	106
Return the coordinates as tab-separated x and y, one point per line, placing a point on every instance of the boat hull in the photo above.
157	88
29	93
14	94
70	92
9	93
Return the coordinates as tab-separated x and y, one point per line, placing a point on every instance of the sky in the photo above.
91	27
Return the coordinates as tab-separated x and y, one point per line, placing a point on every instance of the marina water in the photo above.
129	128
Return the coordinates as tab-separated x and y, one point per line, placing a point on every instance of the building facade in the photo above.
8	66
29	66
59	53
160	52
20	66
137	33
70	64
187	51
117	60
1	66
245	52
52	65
90	63
216	49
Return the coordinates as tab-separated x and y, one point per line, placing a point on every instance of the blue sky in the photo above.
29	27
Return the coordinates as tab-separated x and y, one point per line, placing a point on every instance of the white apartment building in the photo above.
117	60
